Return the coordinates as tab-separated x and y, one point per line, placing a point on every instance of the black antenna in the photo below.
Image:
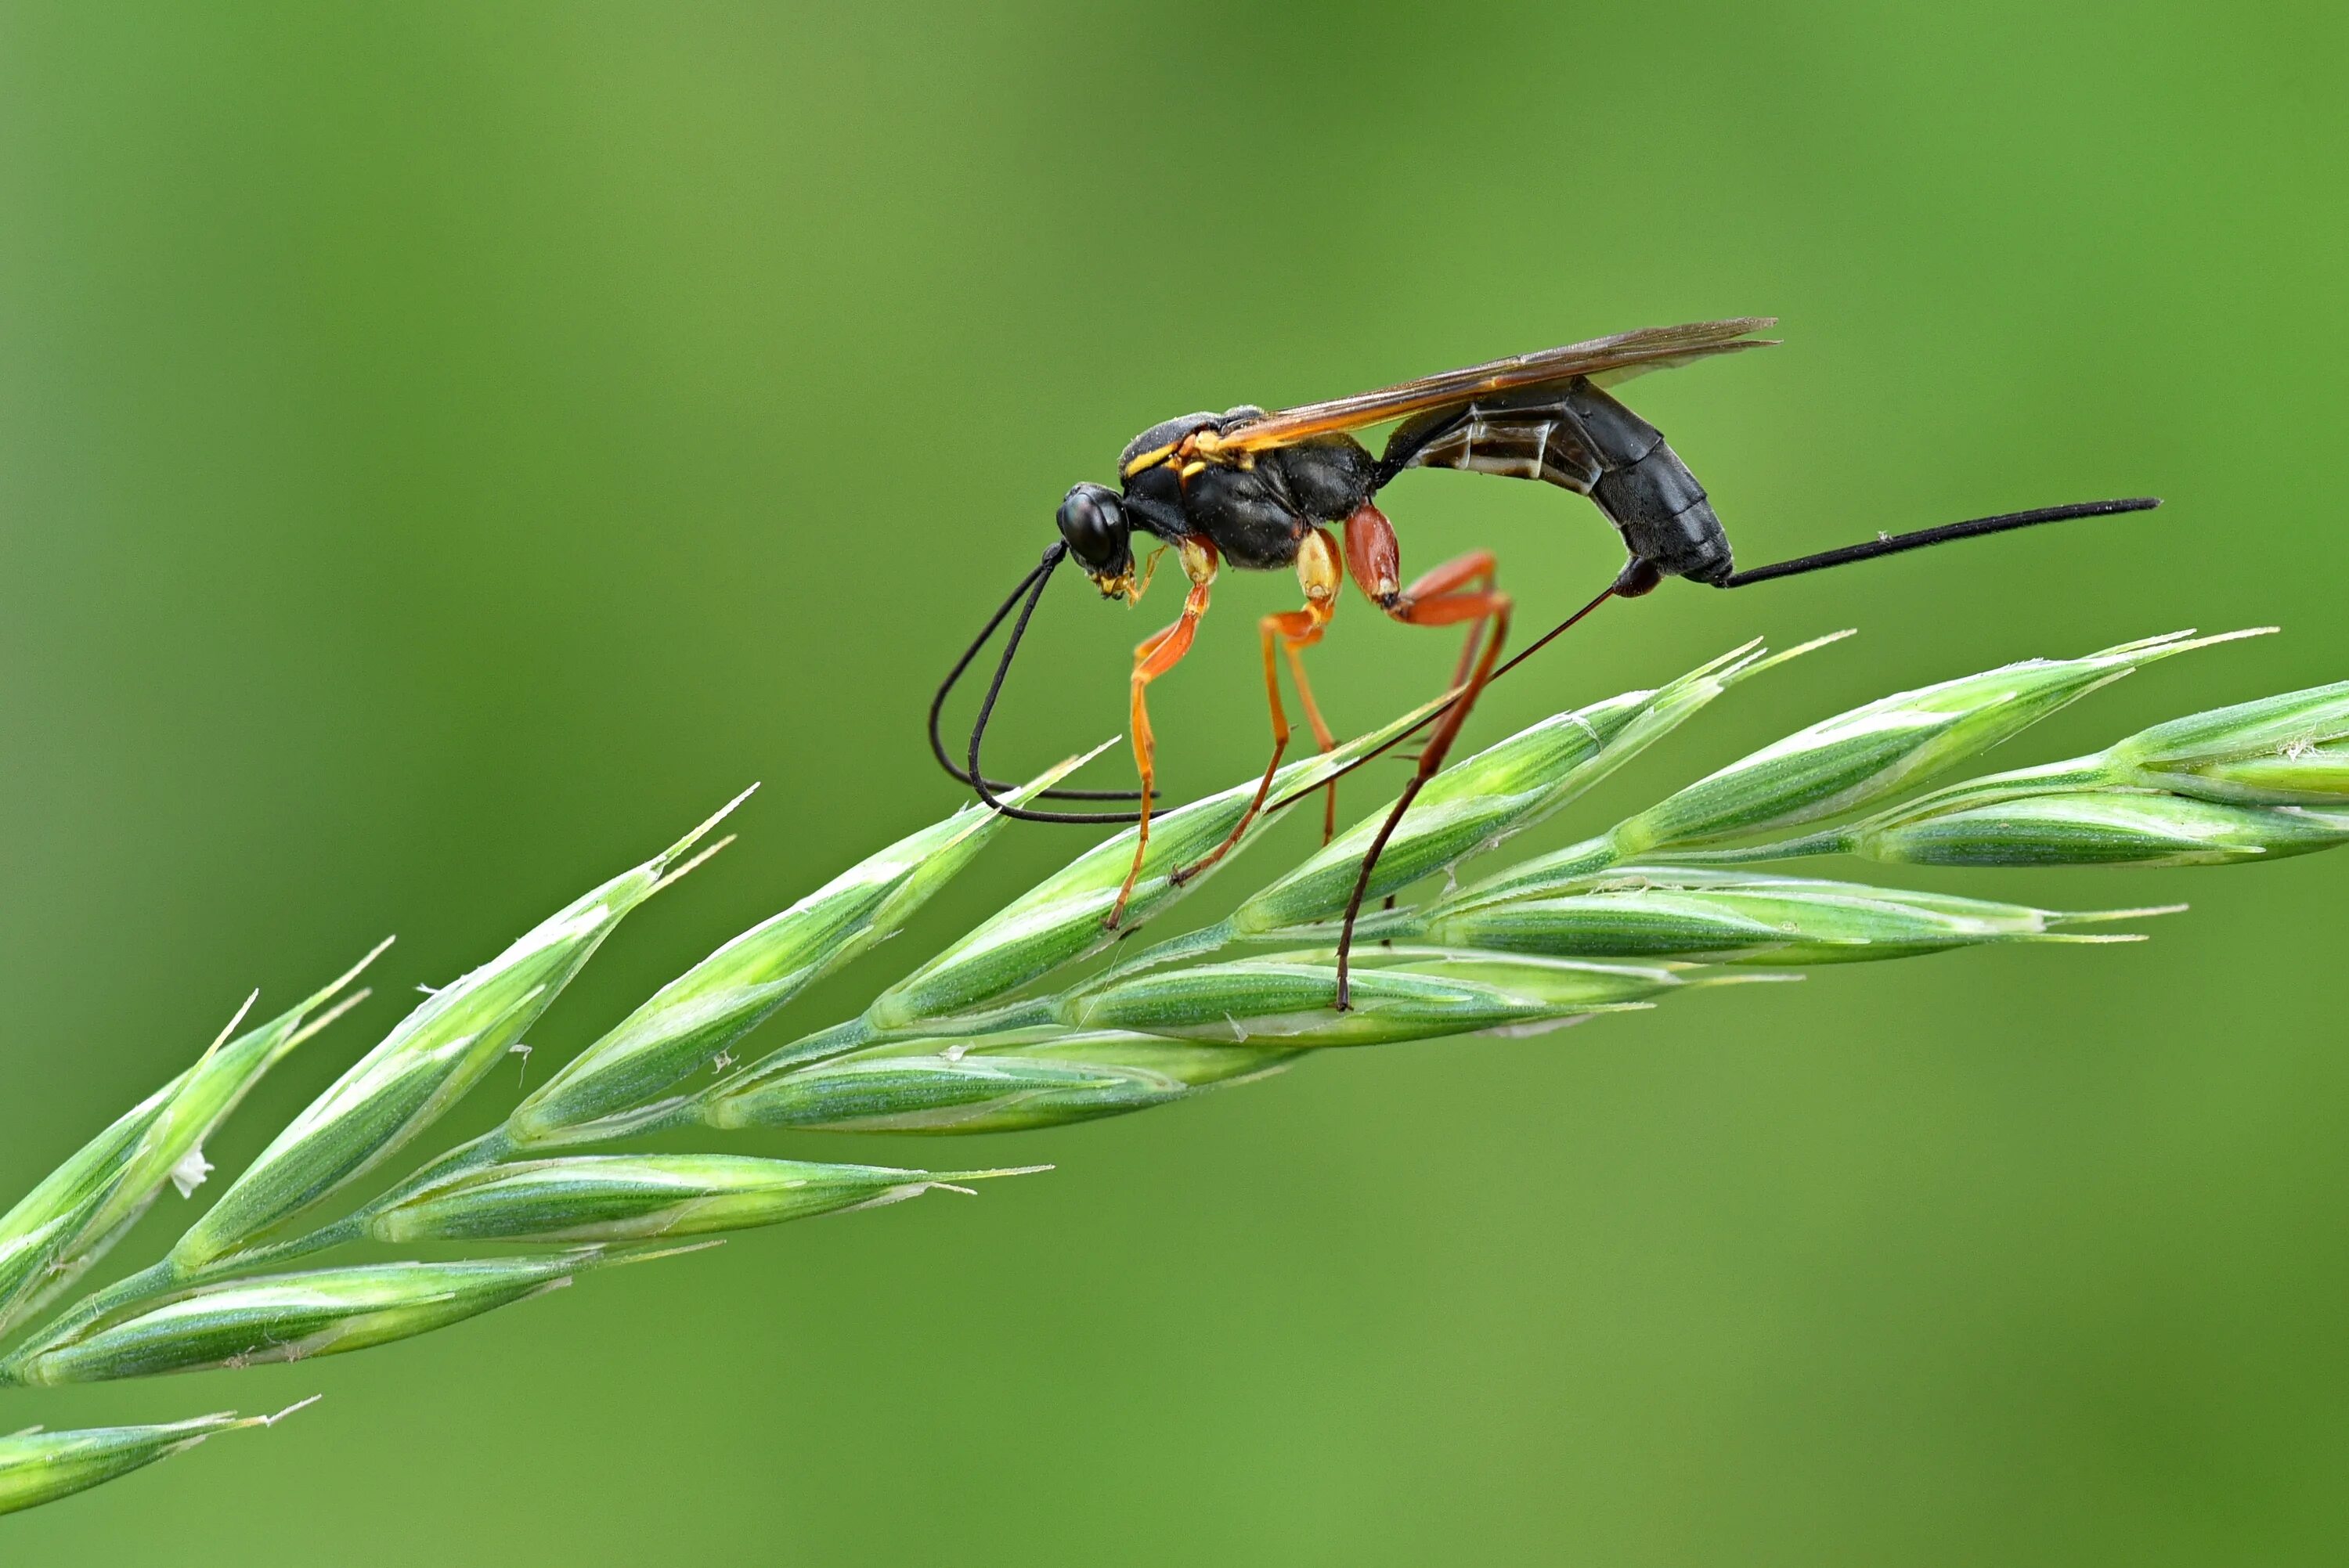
1032	586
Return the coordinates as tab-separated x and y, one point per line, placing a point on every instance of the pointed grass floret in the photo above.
690	1023
2106	827
74	1216
1047	1078
1401	994
2287	751
629	1197
38	1467
1731	917
431	1061
295	1316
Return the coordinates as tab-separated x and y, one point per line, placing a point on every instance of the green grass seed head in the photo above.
1555	941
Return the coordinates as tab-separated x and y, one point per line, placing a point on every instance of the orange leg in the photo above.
1320	573
1153	657
1433	599
1296	647
1294	630
1439	599
1317	574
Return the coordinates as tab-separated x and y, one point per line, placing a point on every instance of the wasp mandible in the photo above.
1264	491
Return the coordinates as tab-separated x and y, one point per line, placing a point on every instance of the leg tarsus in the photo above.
1263	788
1322	735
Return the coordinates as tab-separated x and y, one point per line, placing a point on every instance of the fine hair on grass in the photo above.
1001	1031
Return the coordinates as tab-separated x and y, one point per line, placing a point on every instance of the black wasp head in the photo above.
1092	520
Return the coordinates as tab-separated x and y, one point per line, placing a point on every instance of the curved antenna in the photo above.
1030	591
945	686
1042	569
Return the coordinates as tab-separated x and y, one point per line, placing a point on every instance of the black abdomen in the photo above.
1647	492
1575	437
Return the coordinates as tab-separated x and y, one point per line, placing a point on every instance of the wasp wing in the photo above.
1604	360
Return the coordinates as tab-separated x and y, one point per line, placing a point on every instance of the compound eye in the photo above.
1092	520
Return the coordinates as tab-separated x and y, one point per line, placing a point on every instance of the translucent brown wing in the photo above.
1605	360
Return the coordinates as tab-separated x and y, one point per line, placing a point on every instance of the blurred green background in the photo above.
445	450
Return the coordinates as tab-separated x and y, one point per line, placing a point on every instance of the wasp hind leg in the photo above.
1459	591
1292	633
1152	658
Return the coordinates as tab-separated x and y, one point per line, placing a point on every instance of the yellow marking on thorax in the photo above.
1149	460
1194	451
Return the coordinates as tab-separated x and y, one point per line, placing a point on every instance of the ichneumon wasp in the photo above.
1262	490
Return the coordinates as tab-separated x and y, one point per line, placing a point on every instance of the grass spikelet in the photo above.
294	1317
38	1467
2108	827
68	1223
692	1021
425	1066
1403	995
1730	917
632	1198
1013	1082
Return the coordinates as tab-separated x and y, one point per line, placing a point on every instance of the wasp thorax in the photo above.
1317	567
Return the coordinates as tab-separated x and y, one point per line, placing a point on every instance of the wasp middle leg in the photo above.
1292	631
1443	597
1152	658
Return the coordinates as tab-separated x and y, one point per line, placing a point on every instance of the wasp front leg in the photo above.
1292	631
1152	658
